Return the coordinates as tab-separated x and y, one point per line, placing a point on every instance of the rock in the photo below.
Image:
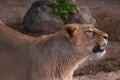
42	19
83	16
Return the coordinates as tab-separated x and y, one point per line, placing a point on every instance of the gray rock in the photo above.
83	16
42	19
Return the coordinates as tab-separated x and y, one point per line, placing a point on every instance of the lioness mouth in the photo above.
100	52
97	49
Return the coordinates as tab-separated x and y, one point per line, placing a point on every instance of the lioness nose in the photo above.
105	36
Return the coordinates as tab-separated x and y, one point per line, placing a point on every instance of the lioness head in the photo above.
88	36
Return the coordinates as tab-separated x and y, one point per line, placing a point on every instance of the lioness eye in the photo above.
93	33
89	31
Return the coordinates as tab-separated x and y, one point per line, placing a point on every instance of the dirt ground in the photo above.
106	12
13	11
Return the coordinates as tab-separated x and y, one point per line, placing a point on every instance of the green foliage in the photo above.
111	66
64	8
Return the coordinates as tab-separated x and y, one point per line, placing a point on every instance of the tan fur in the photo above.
74	28
49	57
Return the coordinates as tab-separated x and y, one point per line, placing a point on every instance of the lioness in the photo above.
49	57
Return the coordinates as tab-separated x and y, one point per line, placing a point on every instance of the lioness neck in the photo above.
61	57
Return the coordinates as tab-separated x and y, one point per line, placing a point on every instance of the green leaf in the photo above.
64	8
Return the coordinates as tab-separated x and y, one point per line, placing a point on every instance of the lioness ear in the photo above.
70	32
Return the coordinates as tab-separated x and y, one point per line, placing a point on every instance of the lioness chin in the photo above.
49	57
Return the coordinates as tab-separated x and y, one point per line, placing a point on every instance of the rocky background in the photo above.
37	19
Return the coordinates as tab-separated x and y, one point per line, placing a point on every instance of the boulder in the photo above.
83	16
42	19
